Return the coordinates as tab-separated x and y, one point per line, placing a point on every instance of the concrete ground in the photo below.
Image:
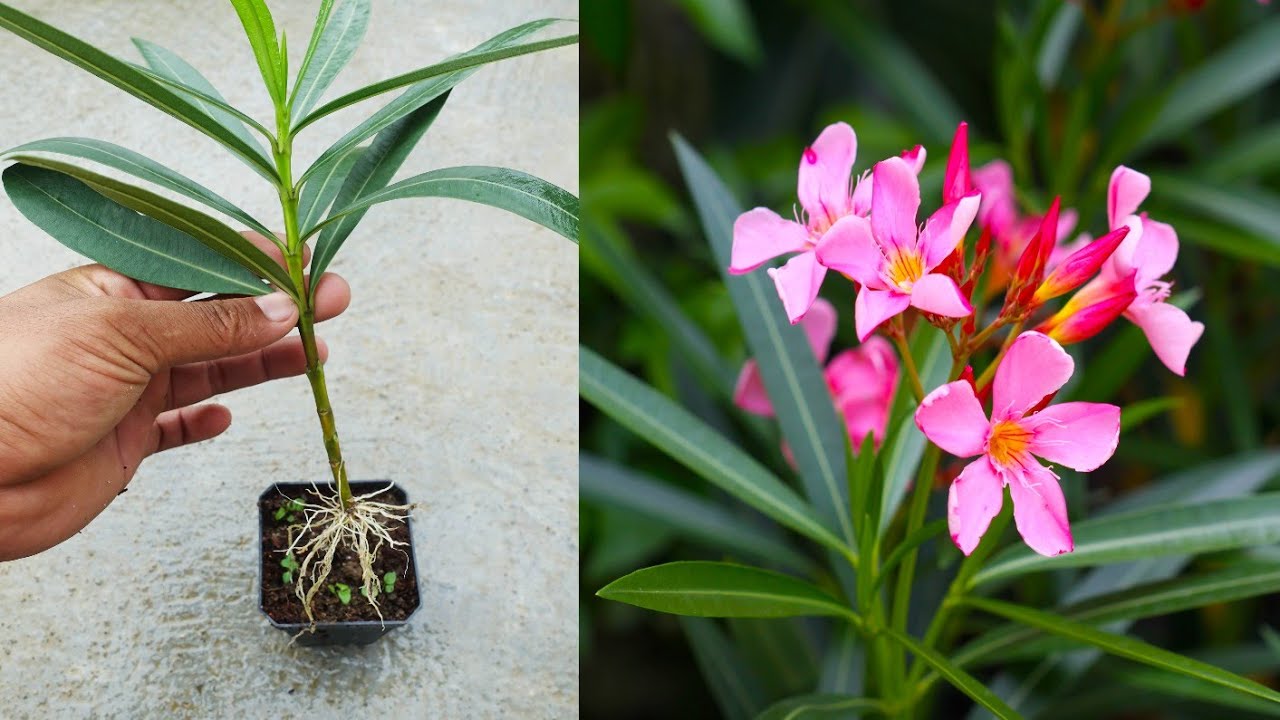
453	373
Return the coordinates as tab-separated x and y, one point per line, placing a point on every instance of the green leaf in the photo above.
732	684
1232	74
713	589
261	32
140	166
1122	646
170	66
529	197
213	234
605	483
129	243
923	534
1251	209
377	165
444	75
822	706
794	381
778	651
1186	529
903	450
844	665
202	99
318	194
333	42
132	81
727	25
963	681
682	436
1137	413
342	591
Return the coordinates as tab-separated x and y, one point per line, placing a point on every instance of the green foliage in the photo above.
290	565
289	511
341	591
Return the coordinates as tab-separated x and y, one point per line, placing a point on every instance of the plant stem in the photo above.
915	518
294	249
898	334
990	372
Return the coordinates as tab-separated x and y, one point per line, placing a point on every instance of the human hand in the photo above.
99	371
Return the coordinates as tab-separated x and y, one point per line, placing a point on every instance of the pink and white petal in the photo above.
798	283
1156	254
1121	263
1039	509
1080	435
1035	367
862	194
866	373
849	248
819	326
895	199
915	158
824	172
760	235
952	418
1127	190
1171	333
974	499
1067	219
749	393
939	294
873	307
946	228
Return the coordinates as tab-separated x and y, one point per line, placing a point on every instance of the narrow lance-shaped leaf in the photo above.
713	589
682	436
1164	530
204	100
140	166
1123	646
499	47
119	238
129	79
318	195
213	234
169	65
377	165
963	681
525	195
792	377
415	97
736	689
260	29
821	706
332	44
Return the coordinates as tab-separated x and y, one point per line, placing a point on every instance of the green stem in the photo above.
898	334
915	518
294	249
990	372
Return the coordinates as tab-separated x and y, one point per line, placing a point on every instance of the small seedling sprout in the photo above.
389	582
290	565
343	591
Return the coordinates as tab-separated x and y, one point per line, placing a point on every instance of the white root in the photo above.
336	528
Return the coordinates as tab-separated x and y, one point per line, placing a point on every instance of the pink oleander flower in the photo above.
890	259
1147	254
1078	435
759	235
862	380
1011	230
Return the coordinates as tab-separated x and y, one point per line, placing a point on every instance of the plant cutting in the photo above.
152	238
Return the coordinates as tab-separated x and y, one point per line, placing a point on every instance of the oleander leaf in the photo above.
333	42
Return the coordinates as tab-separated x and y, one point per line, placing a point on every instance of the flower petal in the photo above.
915	158
974	499
1170	332
760	235
1154	256
798	282
848	247
1035	367
939	294
824	172
862	194
944	229
820	327
1126	192
952	418
895	198
749	393
1040	510
873	307
1080	435
868	372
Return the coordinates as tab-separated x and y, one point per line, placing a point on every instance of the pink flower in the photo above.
1012	230
890	259
1078	435
1146	254
862	380
759	235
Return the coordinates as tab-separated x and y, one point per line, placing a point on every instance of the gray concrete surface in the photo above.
453	373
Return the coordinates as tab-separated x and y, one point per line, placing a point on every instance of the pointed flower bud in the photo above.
1035	256
1090	310
1079	266
957	182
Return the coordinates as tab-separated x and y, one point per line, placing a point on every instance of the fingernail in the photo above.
277	306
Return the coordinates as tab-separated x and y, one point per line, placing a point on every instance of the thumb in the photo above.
187	332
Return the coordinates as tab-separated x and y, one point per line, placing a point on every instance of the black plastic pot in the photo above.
362	632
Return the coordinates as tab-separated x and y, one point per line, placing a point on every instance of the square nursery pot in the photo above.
348	632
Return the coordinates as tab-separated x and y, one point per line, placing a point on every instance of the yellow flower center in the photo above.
905	268
1007	442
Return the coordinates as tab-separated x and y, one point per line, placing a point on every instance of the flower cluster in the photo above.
868	231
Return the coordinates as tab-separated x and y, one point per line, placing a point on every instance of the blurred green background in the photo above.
1186	92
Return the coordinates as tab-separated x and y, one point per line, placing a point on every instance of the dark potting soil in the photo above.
279	599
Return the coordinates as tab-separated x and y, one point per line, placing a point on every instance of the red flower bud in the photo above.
957	182
1096	306
1080	266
